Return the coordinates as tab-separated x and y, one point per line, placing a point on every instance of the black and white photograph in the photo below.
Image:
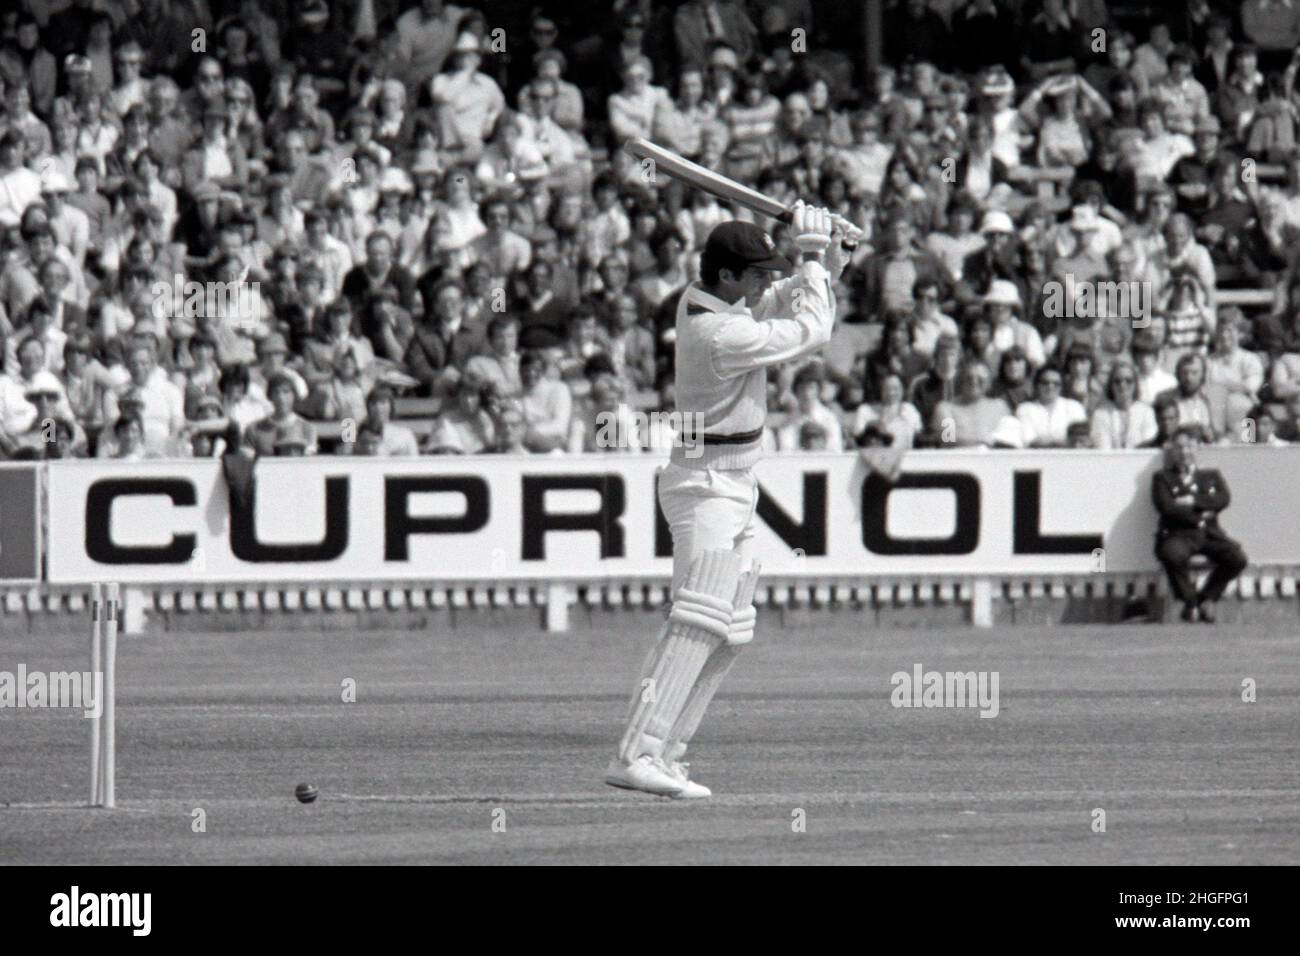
651	433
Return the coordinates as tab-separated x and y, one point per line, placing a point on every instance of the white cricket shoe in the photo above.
644	773
690	789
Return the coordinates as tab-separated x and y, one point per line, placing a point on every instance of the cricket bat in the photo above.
701	177
693	174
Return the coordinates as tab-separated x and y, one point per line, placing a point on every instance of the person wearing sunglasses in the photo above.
1046	420
1122	421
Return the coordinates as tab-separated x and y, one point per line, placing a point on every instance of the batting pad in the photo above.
715	669
698	624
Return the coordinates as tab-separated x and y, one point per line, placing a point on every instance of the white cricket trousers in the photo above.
708	508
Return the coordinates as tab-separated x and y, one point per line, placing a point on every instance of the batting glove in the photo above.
849	233
812	229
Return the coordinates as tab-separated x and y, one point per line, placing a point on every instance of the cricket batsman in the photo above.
731	325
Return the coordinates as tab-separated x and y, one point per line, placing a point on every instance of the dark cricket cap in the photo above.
738	245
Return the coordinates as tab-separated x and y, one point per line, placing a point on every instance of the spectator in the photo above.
162	411
1078	436
28	62
46	396
1237	370
1013	383
670	274
1050	41
1152	378
939	384
1122	420
893	421
379	271
202	377
631	346
292	429
272	359
895	355
809	382
82	384
129	444
369	442
1080	381
505	253
441	346
1046	418
393	439
1290	426
464	426
928	323
342	397
511	428
546	403
977	338
1002	303
238	404
1151	59
697	23
424	37
499	366
634	109
996	260
889	275
603	422
1200	403
1166	411
1265	427
19	186
972	416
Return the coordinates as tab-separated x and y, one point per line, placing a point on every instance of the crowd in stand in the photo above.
394	228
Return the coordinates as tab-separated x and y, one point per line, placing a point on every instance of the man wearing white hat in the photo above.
1076	252
1002	302
468	101
46	395
996	260
997	104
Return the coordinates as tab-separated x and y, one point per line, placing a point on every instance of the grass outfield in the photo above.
453	732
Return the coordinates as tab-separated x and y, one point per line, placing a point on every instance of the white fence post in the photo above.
133	611
557	607
981	603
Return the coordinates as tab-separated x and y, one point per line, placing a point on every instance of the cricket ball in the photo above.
306	793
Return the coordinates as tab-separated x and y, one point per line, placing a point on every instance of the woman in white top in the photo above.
457	224
807	392
893	414
1122	421
1046	420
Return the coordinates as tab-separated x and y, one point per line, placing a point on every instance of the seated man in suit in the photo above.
1189	500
